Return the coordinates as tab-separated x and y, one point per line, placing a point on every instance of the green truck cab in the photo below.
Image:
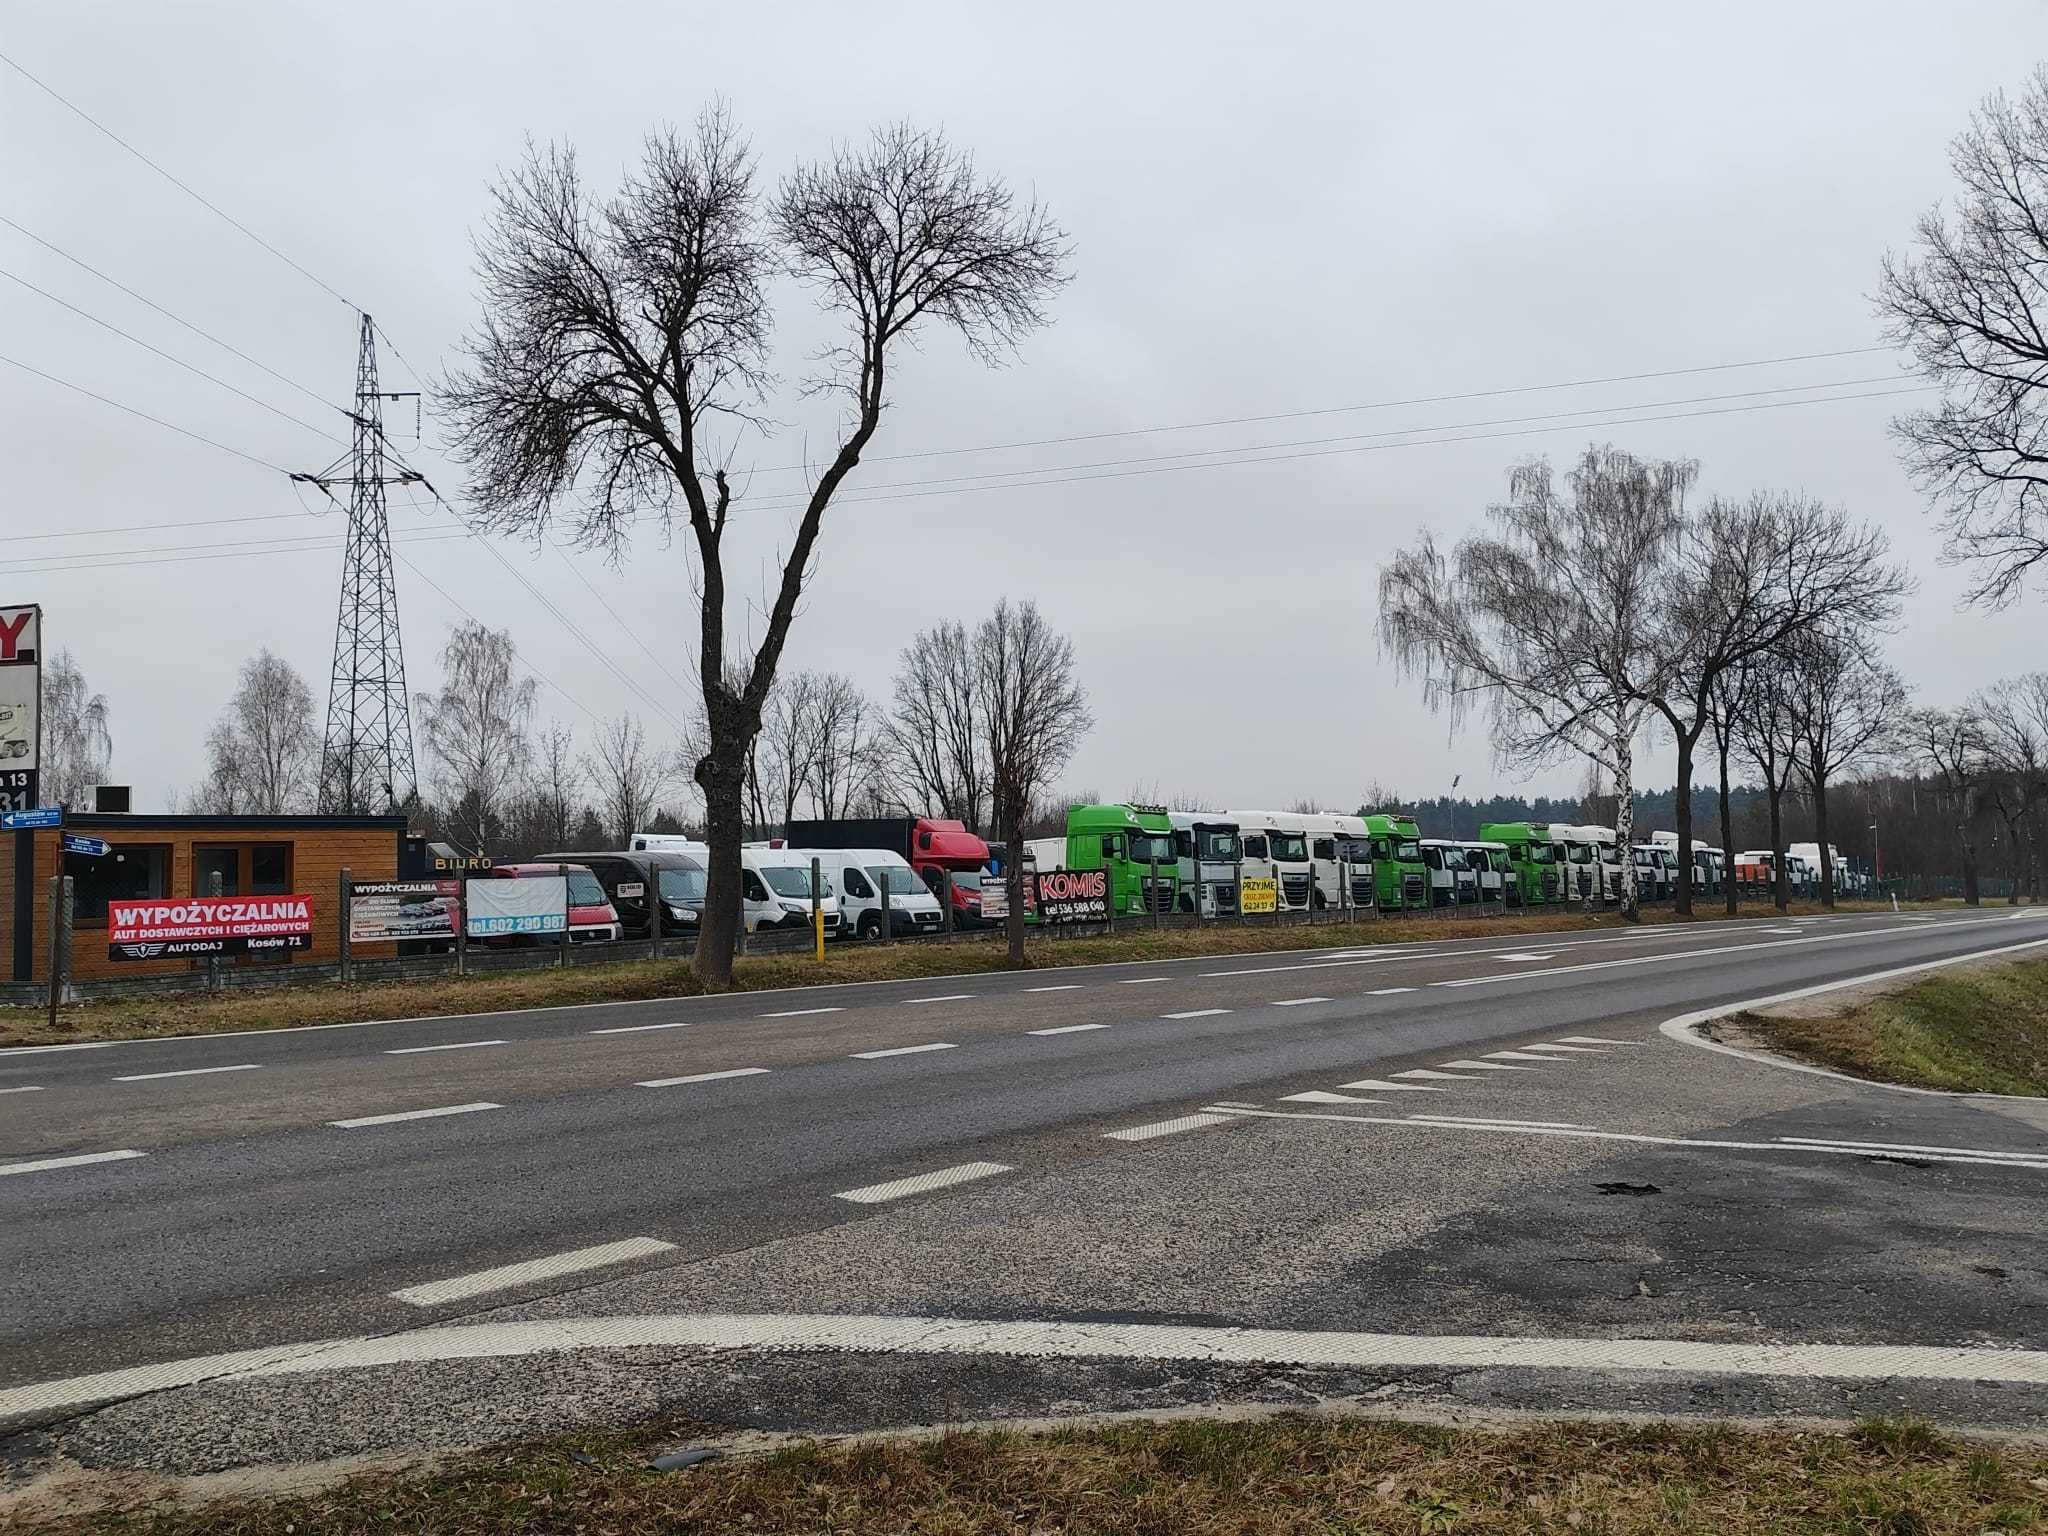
1530	856
1400	880
1126	840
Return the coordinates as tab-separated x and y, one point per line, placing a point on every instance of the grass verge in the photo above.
133	1018
1981	1030
1285	1477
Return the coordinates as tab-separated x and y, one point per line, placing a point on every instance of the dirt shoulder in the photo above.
133	1018
1978	1028
1215	1474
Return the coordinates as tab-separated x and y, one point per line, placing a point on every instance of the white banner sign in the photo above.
995	897
500	907
20	698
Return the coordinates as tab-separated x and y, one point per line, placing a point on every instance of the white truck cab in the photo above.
1608	852
860	876
1577	861
1451	877
1490	870
1653	875
1276	848
1337	846
1208	851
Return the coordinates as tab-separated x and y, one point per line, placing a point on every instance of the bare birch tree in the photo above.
845	754
1035	712
1969	304
555	781
78	742
1552	620
627	776
476	729
624	344
935	730
263	752
786	749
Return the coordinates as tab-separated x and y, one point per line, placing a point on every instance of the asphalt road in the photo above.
1119	1143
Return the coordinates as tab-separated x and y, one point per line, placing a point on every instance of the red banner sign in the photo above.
207	925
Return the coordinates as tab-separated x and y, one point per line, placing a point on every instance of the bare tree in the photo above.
843	736
1968	303
1768	734
1727	707
1949	745
619	337
2010	718
626	775
77	742
1553	620
1751	576
1843	703
555	780
1036	712
935	728
786	749
263	752
476	729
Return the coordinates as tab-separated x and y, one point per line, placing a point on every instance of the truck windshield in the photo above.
1290	847
1222	847
1610	853
897	880
1454	858
1538	853
1408	851
1578	853
1151	847
1354	850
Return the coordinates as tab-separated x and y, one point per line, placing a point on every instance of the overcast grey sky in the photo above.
1279	209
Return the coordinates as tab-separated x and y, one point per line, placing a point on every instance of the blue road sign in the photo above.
41	816
90	847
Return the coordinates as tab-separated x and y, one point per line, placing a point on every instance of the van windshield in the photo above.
793	880
1290	847
584	891
897	879
682	887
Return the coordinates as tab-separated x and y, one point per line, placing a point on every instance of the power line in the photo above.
149	303
108	563
459	608
86	314
145	415
201	199
1339	410
620	619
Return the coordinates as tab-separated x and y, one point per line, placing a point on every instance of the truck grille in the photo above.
1361	890
1296	887
1159	897
1549	885
1413	890
1225	897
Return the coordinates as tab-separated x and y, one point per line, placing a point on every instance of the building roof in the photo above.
101	821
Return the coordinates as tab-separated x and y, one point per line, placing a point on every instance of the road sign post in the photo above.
86	847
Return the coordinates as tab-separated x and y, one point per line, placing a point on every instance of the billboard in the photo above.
1259	893
1073	896
501	908
171	927
21	700
383	910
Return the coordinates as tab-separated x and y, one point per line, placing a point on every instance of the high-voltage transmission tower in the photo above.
366	763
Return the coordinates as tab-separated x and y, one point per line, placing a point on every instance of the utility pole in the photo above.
366	763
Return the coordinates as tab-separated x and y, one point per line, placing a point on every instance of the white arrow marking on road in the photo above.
1321	1096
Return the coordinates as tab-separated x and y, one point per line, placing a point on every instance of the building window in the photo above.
245	869
211	864
270	869
126	873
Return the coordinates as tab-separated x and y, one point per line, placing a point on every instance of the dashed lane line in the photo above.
921	1183
641	1029
1171	1127
24	1088
1141	981
949	997
702	1077
530	1272
1195	1013
1522	955
80	1160
1064	986
362	1121
1297	1002
150	1077
459	1045
904	1050
1892	1146
798	1013
1387	991
1066	1029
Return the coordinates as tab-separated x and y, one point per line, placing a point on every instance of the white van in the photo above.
860	875
1211	842
1275	848
780	900
1451	877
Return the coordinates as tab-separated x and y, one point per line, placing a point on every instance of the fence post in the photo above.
59	951
1237	881
213	883
654	908
888	934
1152	892
946	903
461	924
562	953
817	911
345	893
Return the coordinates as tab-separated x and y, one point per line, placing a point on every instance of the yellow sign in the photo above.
1259	895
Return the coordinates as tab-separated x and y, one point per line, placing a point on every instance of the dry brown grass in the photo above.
198	1013
1286	1477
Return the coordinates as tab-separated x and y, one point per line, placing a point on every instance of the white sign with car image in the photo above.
500	907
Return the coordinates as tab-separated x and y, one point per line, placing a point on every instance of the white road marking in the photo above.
1517	1056
1195	1013
904	1050
150	1077
1172	1127
1543	1125
1043	1339
798	1013
921	1183
1597	1040
1322	1096
1487	1066
1384	1086
1447	1077
459	1045
1141	981
26	1088
1297	1002
83	1159
950	997
1308	965
1387	991
1892	1146
1781	930
506	1276
1634	1137
1586	1050
641	1029
413	1114
1066	1029
1232	1104
1065	986
1523	955
701	1077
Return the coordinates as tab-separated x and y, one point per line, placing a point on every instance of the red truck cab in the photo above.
948	858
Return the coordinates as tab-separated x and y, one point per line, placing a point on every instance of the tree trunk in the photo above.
1817	774
1972	897
724	813
1681	899
1781	883
2012	843
1013	880
1625	826
1728	890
